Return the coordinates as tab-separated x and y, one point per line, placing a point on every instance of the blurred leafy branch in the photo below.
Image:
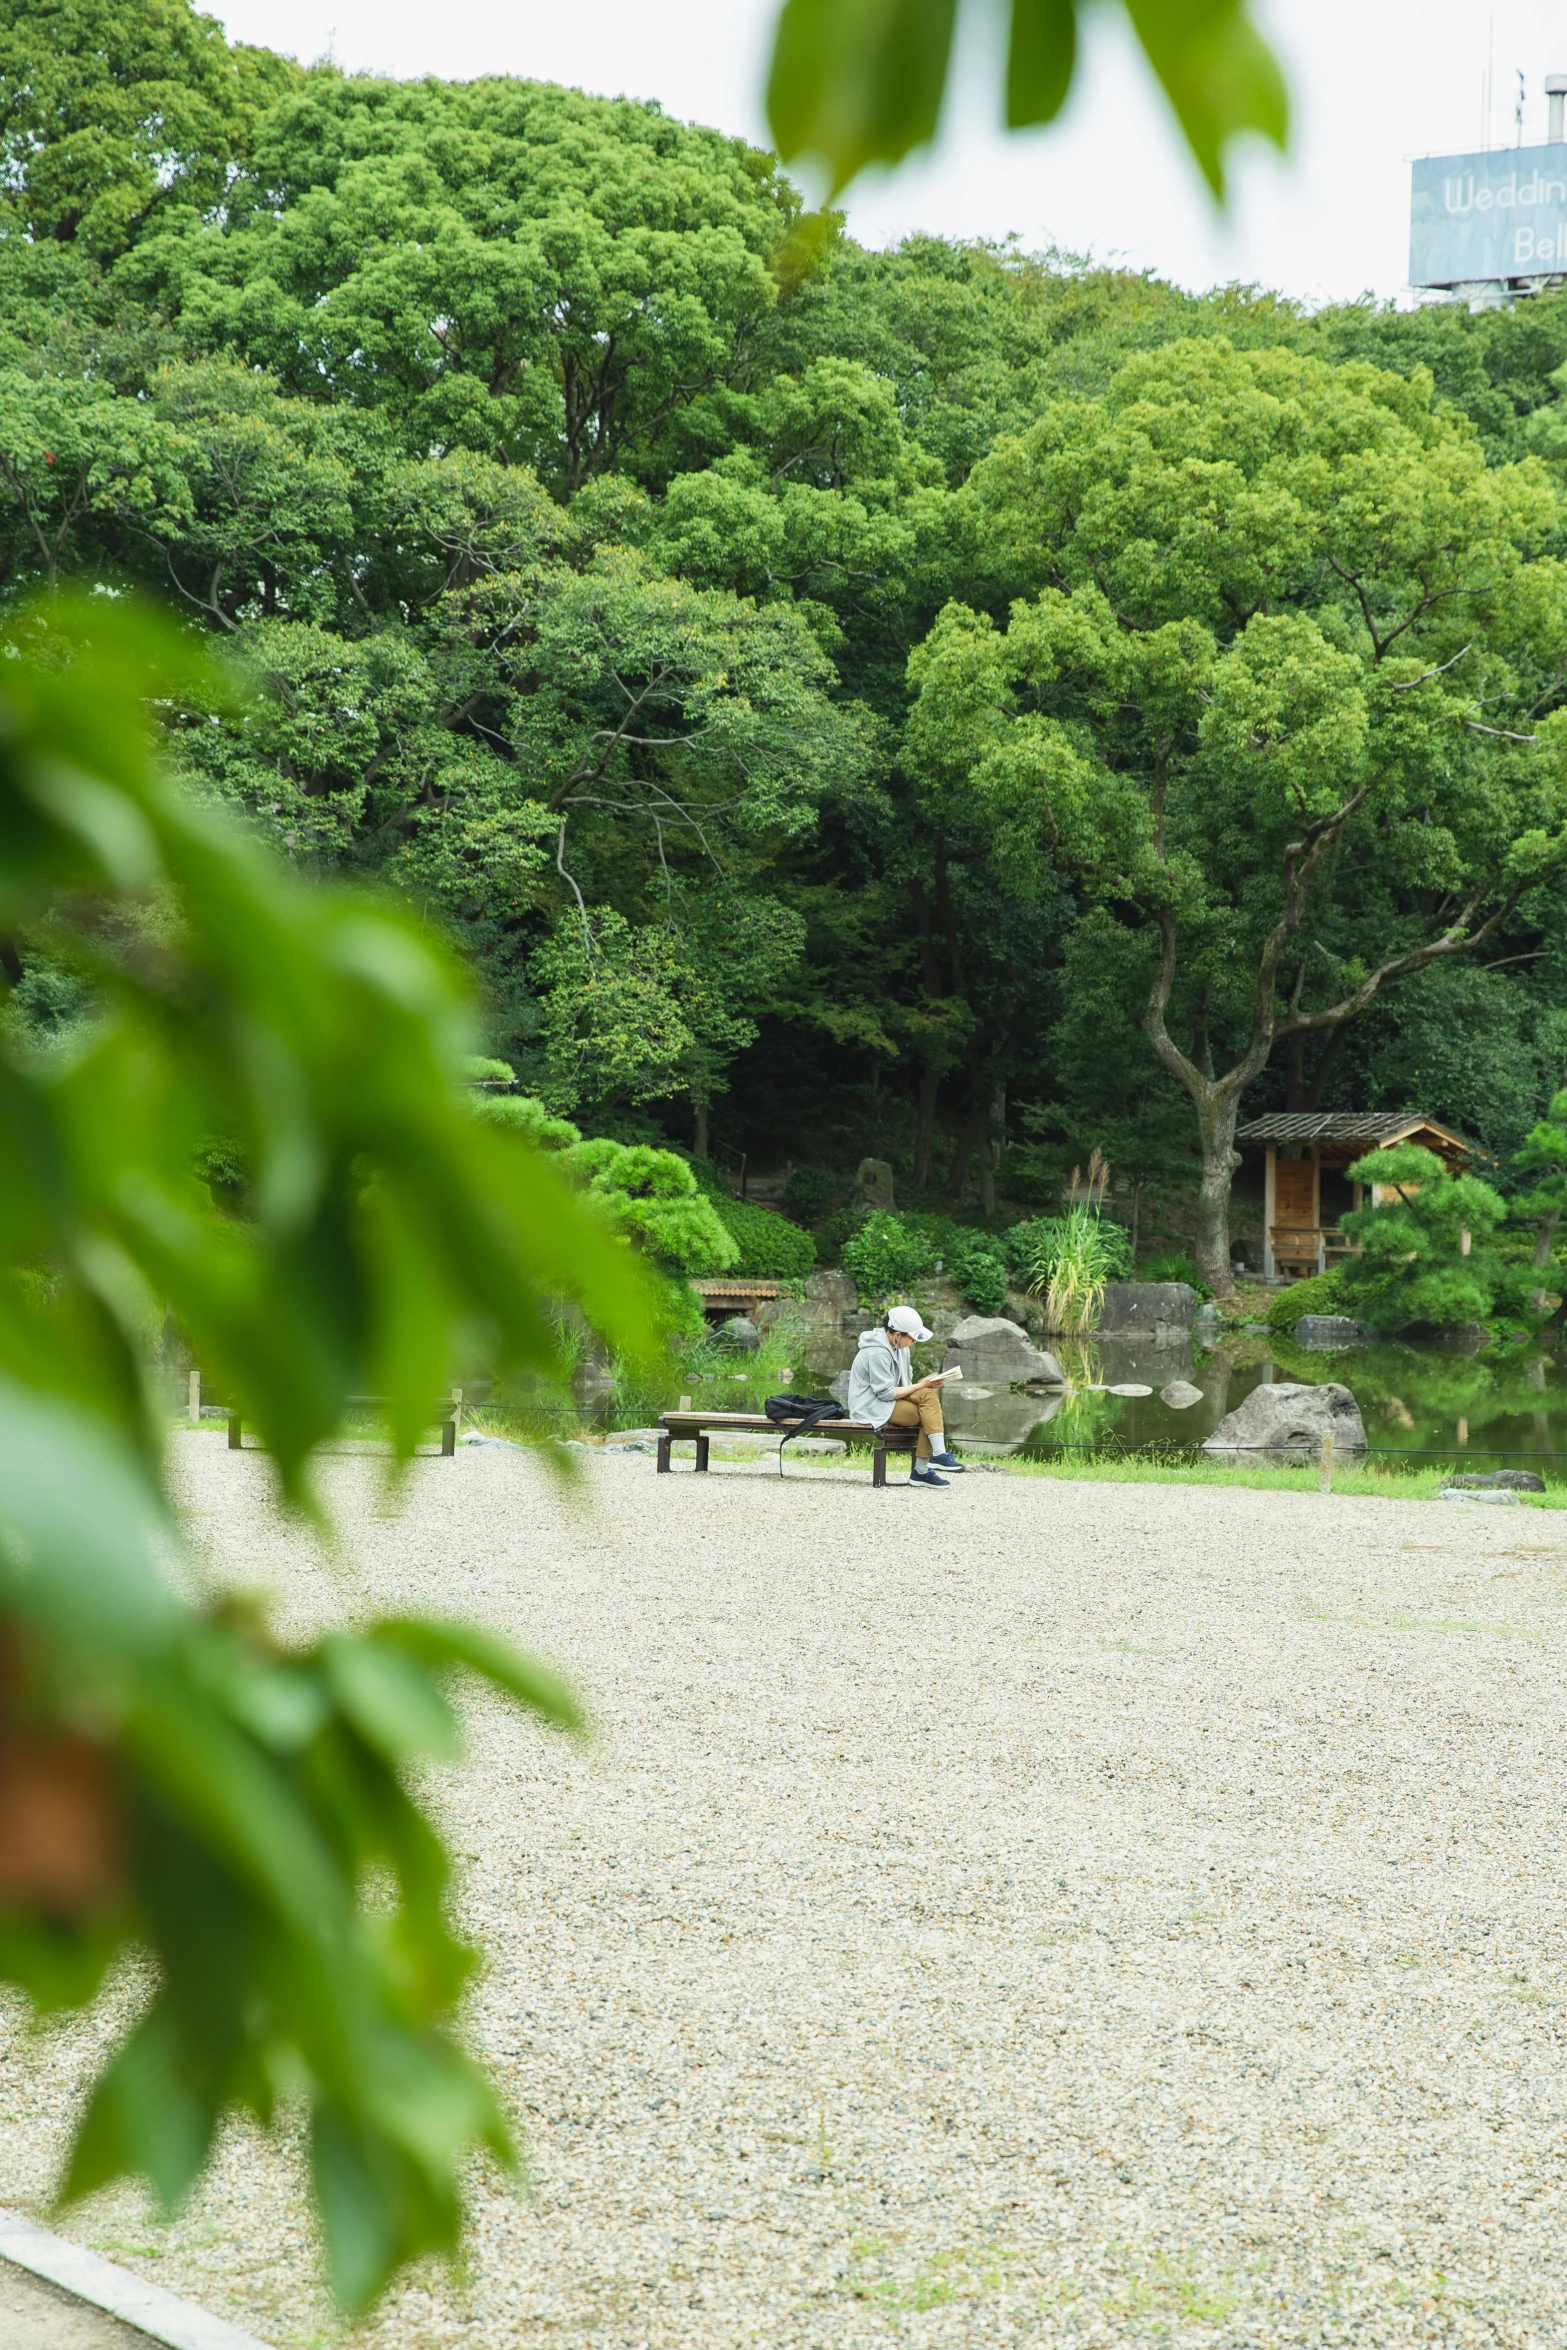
174	1780
859	82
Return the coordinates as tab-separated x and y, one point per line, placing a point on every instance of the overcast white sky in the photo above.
1374	81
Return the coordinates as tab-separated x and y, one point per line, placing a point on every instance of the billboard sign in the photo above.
1498	215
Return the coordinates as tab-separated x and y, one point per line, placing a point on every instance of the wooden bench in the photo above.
677	1427
448	1408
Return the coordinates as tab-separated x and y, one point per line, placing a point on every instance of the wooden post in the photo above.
1267	1210
236	1434
194	1399
1325	1469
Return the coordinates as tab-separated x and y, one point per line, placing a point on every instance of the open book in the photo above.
940	1378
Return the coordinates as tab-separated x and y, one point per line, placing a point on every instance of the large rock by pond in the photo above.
1291	1418
1160	1311
999	1354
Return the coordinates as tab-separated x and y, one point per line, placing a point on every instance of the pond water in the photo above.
1507	1403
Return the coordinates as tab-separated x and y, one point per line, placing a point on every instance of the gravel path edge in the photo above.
163	2316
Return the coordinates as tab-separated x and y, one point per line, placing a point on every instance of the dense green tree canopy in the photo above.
1275	693
805	681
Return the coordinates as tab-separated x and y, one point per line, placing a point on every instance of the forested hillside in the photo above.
965	704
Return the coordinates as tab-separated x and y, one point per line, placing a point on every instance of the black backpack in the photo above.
809	1410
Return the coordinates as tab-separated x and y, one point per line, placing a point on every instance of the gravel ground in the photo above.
1033	1913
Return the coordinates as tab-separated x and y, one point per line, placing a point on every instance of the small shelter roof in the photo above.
1371	1127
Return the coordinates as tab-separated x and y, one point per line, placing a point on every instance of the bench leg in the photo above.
664	1442
236	1433
701	1455
879	1465
448	1440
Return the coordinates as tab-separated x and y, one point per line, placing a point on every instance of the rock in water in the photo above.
1208	1328
999	1354
740	1331
1158	1310
1180	1395
1129	1387
1291	1418
1323	1332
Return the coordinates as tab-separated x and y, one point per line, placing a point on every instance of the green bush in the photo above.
836	1233
809	1193
982	1277
886	1255
1322	1294
771	1248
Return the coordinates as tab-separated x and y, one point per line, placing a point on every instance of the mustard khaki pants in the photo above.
922	1411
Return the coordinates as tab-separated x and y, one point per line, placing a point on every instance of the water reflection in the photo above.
1506	1402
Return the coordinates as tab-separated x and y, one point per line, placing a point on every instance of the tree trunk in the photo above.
1295	1073
957	1174
1544	1237
925	1128
1218	1109
995	1144
699	1148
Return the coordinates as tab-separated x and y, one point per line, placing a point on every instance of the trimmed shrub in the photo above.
1323	1293
771	1248
526	1116
809	1193
651	1196
1411	1266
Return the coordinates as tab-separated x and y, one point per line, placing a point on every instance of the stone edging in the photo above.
178	2324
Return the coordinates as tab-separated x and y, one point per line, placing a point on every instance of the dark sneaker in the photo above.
947	1460
920	1475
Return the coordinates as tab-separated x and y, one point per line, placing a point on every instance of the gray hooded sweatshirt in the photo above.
878	1370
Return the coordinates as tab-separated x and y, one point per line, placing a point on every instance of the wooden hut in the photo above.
1305	1187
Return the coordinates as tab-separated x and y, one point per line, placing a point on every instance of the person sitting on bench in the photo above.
880	1391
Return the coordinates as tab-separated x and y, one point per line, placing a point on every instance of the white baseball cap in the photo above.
906	1319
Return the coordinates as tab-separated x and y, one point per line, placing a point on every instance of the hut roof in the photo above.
1367	1126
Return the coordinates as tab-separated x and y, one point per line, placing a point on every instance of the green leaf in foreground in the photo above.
175	1782
860	82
